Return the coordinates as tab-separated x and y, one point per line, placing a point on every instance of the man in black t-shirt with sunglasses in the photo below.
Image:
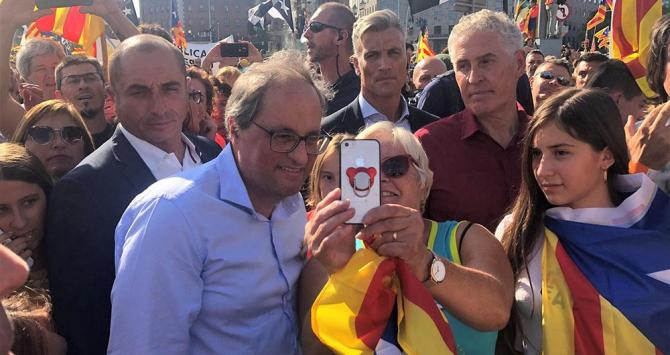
328	39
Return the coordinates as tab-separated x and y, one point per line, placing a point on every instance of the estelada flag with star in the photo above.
605	289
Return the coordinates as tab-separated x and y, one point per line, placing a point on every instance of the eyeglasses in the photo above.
317	27
45	135
563	81
397	166
286	142
196	96
88	78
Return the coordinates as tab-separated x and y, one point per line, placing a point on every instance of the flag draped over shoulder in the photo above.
606	290
177	28
355	306
423	49
71	24
632	21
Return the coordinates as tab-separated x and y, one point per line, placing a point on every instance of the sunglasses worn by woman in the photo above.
56	134
397	229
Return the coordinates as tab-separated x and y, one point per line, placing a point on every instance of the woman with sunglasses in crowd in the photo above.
584	238
469	260
24	190
56	134
200	104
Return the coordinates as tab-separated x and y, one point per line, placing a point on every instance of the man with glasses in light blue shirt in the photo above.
208	260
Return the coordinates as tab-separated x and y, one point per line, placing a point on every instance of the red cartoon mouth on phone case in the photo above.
361	180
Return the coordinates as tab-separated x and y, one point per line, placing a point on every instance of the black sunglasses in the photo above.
45	135
317	27
397	166
563	81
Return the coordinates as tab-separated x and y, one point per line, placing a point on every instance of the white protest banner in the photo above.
194	53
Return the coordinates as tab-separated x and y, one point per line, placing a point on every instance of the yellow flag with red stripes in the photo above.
423	49
354	308
71	24
632	21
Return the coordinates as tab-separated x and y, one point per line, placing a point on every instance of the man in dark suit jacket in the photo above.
349	119
381	62
87	203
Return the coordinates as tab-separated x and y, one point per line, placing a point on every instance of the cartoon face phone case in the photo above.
359	175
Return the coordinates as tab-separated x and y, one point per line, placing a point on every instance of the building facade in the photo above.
438	20
203	20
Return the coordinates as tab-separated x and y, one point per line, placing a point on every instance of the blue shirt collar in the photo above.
233	190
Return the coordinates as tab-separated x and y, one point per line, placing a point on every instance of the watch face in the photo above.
438	271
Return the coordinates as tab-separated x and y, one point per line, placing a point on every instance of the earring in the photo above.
605	175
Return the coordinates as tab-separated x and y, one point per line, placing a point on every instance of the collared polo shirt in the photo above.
474	177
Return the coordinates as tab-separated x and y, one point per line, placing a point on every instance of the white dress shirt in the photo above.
161	163
199	271
371	115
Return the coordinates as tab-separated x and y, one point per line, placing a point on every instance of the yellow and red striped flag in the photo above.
423	49
599	17
71	24
354	308
632	21
177	29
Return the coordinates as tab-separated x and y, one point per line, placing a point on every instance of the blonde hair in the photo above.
315	194
487	21
411	145
375	22
228	75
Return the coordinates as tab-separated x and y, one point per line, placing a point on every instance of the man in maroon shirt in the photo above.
476	154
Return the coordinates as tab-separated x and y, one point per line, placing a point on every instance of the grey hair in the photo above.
33	48
250	88
411	145
487	21
375	22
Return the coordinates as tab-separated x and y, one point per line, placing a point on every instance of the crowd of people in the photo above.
152	208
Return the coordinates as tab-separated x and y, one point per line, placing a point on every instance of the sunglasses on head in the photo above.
317	27
563	81
45	135
397	166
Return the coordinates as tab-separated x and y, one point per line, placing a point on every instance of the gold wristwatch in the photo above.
438	271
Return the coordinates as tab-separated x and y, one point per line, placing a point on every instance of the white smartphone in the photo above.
359	176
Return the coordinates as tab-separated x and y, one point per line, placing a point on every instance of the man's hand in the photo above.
650	144
14	13
32	95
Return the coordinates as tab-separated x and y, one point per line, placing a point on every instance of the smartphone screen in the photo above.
49	4
359	176
234	50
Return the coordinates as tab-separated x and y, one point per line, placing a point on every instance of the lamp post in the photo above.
209	23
